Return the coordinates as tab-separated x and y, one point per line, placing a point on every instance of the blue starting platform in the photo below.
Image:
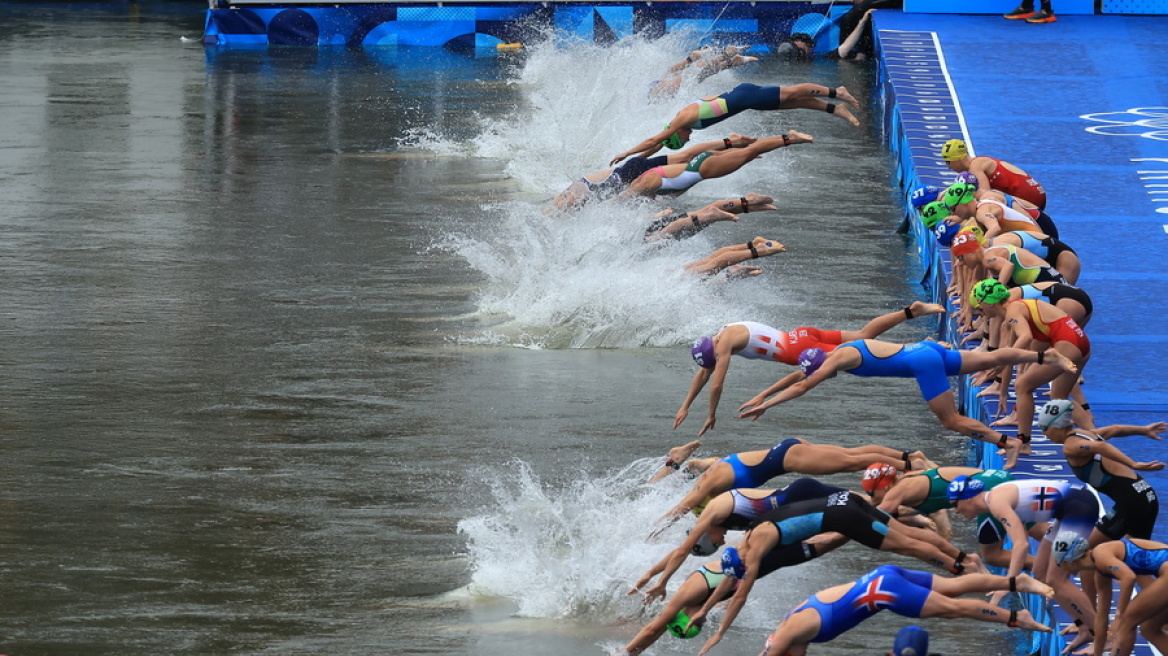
1082	106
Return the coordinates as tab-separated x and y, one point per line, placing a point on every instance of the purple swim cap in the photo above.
703	352
810	360
966	177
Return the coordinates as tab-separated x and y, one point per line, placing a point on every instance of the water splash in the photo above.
588	280
572	551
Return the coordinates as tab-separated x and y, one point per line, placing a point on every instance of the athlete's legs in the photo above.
1081	414
938	605
945	408
1062	379
902	540
793	634
746	204
1149	606
731	255
886	322
646	184
728	161
822	459
972	361
969	583
1072	599
810	96
692	223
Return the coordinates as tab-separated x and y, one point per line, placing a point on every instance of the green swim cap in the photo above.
677	626
958	193
988	291
934	213
673	141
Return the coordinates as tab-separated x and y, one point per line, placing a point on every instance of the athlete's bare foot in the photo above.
1070	628
1010	452
921	462
765	247
843	94
1027	583
1056	359
736	271
797	137
846	114
974	565
1026	621
680	454
992	390
922	309
1009	420
754	203
708	215
1081	638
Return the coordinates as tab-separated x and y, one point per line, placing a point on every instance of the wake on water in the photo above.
573	551
588	280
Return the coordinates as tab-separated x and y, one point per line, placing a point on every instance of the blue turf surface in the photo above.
1082	105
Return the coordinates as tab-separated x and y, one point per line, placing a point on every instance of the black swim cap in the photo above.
805	38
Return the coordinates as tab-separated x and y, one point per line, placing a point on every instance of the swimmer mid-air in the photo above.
715	109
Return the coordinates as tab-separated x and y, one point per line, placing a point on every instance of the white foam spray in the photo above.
573	550
587	280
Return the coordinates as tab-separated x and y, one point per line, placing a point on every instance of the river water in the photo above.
295	363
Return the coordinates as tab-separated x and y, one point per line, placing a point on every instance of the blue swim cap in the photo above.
963	487
810	360
923	195
732	564
945	232
703	352
911	641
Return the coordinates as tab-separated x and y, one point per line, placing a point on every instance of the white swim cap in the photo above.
1068	546
1056	414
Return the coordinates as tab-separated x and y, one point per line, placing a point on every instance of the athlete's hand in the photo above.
753	414
709	425
1155	465
655	592
617	159
680	417
714	639
640	583
751	403
996	597
1153	430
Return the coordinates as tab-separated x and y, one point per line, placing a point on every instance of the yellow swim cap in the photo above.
953	150
701	505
